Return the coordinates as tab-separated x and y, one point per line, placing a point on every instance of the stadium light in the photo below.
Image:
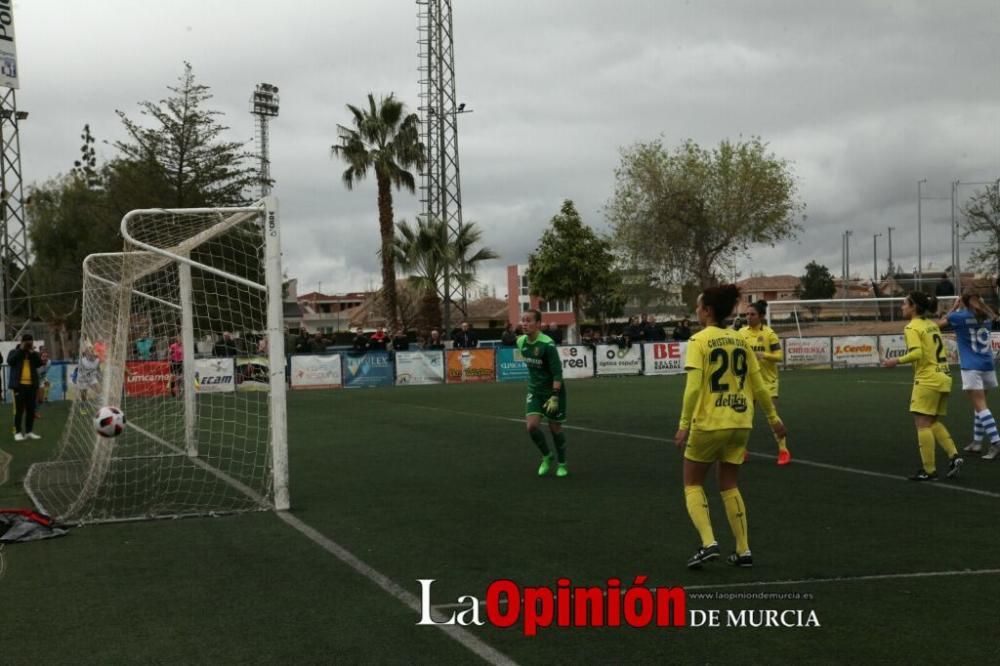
264	101
920	246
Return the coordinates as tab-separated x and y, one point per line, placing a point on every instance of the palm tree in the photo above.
427	253
386	140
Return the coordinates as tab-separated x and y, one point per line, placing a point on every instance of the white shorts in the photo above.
978	380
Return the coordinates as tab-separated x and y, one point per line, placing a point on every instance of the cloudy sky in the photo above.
864	98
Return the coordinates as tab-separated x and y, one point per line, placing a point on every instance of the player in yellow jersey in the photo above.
931	384
767	348
723	381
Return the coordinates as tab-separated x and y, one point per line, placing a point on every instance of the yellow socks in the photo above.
944	439
736	511
925	438
697	506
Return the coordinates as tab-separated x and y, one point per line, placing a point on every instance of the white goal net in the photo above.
182	330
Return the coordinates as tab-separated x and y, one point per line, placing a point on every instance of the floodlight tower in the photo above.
441	186
15	289
264	105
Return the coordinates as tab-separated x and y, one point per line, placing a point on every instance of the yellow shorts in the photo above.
772	388
928	401
708	446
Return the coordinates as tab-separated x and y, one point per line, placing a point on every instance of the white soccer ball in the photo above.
109	422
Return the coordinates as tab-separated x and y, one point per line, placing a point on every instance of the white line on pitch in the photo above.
849	579
463	636
801	581
457	633
796	461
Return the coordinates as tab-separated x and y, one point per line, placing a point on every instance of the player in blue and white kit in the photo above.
972	321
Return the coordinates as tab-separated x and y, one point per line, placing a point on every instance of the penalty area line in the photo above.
945	485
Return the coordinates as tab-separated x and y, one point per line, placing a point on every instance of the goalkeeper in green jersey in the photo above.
546	391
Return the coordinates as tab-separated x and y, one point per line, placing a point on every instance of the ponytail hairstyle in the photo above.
974	302
720	300
923	303
761	307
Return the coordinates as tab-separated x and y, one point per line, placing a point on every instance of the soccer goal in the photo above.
183	330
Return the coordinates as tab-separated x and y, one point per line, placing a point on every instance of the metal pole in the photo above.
875	257
892	274
892	269
920	242
847	254
843	265
956	264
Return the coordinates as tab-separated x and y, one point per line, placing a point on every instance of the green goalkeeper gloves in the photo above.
552	405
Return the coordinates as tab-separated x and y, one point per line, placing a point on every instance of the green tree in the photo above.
426	252
607	300
571	261
817	283
384	139
982	216
688	214
181	160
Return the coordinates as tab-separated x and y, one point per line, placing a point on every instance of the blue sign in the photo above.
510	366
367	370
56	377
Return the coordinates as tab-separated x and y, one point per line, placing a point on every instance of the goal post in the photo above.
185	328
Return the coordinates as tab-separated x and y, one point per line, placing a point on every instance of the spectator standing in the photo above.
399	340
466	338
683	330
379	340
225	347
633	332
24	362
360	343
654	331
509	337
434	341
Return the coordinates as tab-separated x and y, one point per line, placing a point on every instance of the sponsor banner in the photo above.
855	350
145	379
214	375
8	49
577	361
615	360
471	365
510	365
252	374
366	370
316	372
891	346
419	367
663	358
807	352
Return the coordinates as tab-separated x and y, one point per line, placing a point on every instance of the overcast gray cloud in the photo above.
865	98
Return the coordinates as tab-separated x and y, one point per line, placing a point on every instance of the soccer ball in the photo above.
109	422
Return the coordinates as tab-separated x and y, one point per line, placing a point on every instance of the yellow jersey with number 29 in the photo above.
926	351
727	364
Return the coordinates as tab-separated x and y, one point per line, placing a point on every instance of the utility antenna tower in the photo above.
15	284
264	105
441	186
